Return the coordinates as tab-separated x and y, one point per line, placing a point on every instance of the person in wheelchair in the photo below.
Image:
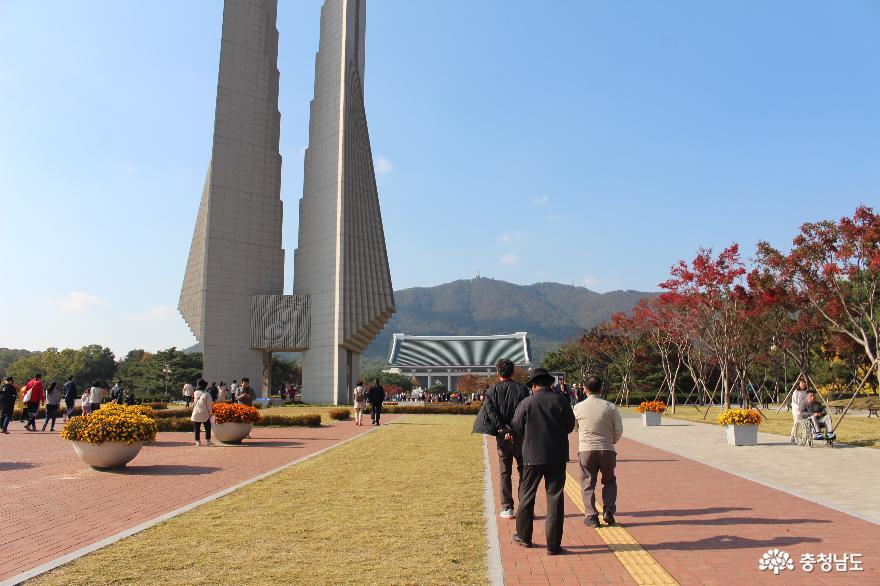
818	417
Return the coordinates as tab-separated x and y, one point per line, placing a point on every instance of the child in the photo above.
85	402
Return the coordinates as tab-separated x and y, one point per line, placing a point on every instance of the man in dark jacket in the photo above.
544	421
70	396
375	396
8	396
496	413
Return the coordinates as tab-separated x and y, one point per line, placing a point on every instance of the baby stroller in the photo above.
807	433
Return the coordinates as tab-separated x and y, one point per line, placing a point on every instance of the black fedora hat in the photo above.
541	377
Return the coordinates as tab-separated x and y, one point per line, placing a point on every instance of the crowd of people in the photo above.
531	424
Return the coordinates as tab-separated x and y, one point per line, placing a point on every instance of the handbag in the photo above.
27	395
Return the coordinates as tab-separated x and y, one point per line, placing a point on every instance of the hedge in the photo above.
305	420
462	409
340	414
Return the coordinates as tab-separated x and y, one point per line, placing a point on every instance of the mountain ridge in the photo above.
550	312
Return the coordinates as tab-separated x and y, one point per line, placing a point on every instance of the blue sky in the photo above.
589	143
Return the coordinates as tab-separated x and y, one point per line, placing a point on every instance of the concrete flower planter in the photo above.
742	435
107	455
231	432
651	418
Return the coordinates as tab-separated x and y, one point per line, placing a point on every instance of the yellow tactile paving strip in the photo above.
640	564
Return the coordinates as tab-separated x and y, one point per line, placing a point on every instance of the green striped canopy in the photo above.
459	351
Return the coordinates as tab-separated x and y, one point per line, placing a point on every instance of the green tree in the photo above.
285	372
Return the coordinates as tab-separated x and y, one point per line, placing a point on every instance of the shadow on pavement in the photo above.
728	521
4	466
729	542
166	470
685	512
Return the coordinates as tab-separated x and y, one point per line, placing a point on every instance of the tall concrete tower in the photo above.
236	247
341	262
232	291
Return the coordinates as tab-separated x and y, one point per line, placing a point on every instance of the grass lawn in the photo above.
402	505
856	431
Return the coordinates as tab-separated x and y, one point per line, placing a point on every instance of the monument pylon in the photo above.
232	292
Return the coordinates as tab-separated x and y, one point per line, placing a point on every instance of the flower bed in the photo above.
235	413
651	407
340	414
739	417
112	423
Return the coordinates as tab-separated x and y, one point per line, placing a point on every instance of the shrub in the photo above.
739	417
340	414
153	397
174	424
112	423
165	413
156	405
457	409
651	406
304	420
235	413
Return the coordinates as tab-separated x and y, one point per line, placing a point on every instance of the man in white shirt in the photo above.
599	427
188	391
798	404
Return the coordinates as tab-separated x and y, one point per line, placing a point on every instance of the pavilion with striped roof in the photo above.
450	357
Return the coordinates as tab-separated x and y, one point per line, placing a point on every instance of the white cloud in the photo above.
128	168
161	312
77	302
508	238
383	165
541	200
509	260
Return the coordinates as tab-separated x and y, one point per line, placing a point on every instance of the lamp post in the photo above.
166	372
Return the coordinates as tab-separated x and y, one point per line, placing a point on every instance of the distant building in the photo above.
445	359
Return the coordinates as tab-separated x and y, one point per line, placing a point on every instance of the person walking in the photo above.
544	421
116	392
375	396
360	402
214	391
188	391
798	403
246	394
53	402
599	427
222	393
33	397
201	413
8	397
84	401
494	418
96	395
69	397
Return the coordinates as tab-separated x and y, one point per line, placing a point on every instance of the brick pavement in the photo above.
589	560
703	525
54	504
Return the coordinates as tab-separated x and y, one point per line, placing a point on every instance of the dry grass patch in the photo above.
402	505
855	430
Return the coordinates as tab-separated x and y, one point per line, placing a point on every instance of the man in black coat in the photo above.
496	414
544	421
375	396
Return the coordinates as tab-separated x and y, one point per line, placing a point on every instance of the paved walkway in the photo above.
53	504
843	477
700	524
